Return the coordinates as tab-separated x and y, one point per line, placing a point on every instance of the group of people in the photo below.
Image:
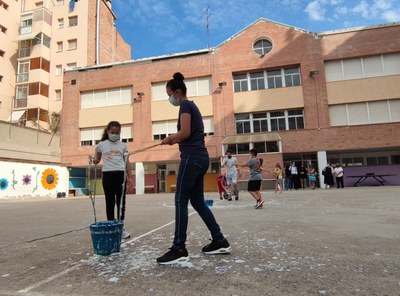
227	182
298	176
190	180
331	173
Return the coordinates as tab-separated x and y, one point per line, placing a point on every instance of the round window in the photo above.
262	46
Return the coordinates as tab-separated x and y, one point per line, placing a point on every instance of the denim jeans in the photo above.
190	186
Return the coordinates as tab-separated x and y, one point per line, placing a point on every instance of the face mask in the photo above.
173	101
113	137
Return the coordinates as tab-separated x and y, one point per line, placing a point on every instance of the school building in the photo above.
293	95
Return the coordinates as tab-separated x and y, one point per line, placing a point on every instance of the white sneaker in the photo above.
125	234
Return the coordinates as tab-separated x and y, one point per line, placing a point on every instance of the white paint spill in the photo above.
113	279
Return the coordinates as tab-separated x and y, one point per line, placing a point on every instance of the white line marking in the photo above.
56	276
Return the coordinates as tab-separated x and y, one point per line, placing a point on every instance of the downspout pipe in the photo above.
98	33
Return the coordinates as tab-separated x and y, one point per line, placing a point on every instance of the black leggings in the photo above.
112	185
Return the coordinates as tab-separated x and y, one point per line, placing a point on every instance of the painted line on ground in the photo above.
72	268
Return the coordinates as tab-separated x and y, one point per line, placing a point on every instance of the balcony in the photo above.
20	103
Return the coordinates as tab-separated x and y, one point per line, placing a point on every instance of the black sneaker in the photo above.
174	256
237	197
217	247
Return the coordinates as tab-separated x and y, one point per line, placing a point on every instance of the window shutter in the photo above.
372	66
338	115
191	86
114	96
86	100
171	126
99	98
352	68
45	65
395	110
378	111
126	132
392	63
35	63
86	134
333	71
44	89
159	128
208	124
204	86
34	88
126	93
158	92
358	113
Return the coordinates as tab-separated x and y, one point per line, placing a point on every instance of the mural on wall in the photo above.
24	179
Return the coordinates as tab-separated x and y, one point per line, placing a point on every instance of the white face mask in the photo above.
113	137
173	101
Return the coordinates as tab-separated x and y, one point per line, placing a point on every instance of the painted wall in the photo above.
378	170
28	179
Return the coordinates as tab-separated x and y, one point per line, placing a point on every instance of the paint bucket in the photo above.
106	236
209	202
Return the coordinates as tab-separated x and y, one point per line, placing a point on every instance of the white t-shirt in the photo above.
112	154
338	171
230	165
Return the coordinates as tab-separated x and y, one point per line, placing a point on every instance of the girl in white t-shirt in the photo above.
112	151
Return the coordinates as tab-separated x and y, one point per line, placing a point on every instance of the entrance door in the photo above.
162	173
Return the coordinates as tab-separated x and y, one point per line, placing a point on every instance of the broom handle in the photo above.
144	149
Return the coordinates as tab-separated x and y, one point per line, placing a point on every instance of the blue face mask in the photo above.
113	137
173	101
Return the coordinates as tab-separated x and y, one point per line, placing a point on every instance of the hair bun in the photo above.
178	76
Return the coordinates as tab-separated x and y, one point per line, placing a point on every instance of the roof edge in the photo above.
360	28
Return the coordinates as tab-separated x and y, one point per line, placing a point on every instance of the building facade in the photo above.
45	38
291	94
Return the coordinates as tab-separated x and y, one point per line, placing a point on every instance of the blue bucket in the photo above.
106	236
209	202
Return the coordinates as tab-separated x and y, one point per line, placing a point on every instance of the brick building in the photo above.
294	95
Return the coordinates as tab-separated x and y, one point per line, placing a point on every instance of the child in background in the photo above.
279	178
112	150
312	176
221	184
255	180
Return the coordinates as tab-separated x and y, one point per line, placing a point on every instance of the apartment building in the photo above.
50	36
8	48
293	95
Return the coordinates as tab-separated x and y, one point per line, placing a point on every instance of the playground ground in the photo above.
305	242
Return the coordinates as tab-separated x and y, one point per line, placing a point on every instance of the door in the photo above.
162	173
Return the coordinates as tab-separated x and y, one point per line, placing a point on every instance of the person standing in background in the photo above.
231	174
295	175
279	178
303	176
327	172
288	177
338	172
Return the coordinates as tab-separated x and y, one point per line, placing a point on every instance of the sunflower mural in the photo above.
3	184
49	179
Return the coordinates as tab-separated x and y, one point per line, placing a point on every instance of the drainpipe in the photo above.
98	33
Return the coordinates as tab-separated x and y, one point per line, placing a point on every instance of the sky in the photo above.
160	27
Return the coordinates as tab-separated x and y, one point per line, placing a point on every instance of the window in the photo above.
60	2
60	23
357	68
60	46
72	44
23	71
1	78
266	147
240	82
243	123
278	121
3	4
24	48
262	47
91	136
3	29
41	39
365	113
274	78
239	148
260	122
296	119
73	21
58	70
199	86
292	76
269	121
26	24
208	123
126	133
71	66
106	97
257	81
2	52
39	4
21	96
161	129
58	95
